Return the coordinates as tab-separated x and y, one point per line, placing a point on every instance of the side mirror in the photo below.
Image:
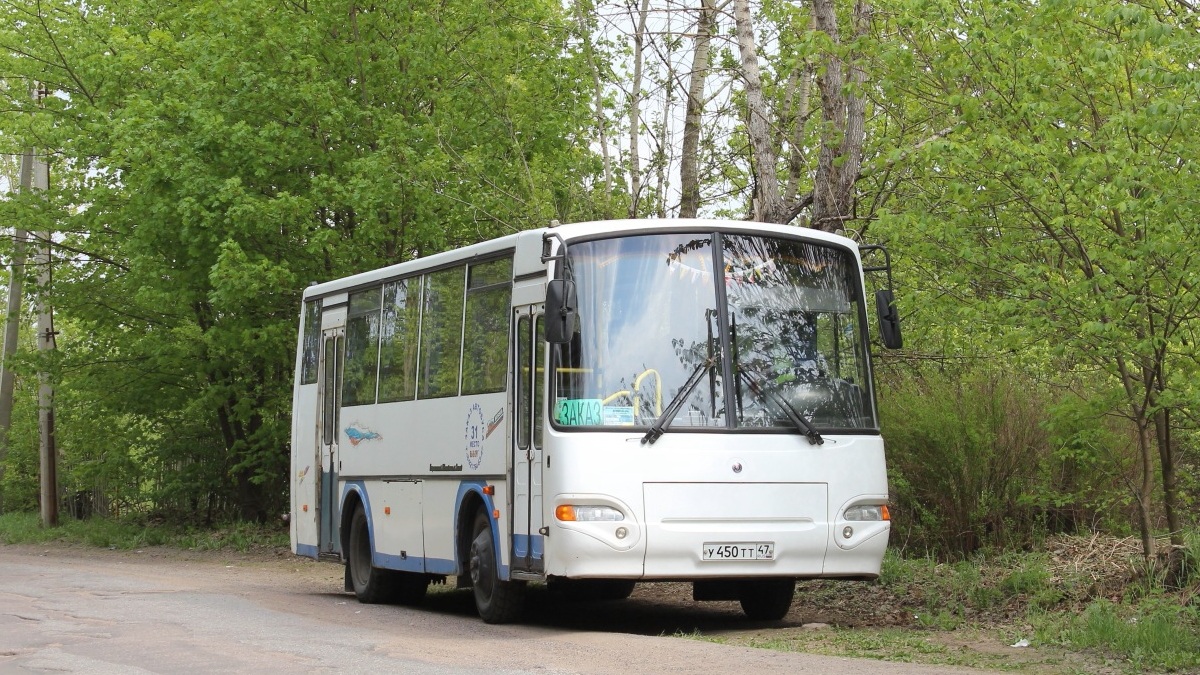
561	310
889	319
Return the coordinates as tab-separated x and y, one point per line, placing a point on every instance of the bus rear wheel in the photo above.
497	601
767	599
371	584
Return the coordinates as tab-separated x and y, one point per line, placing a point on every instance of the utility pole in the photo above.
12	323
45	344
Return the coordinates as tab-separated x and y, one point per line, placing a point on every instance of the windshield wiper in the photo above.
802	425
676	403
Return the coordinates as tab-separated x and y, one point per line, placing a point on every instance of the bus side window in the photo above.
312	342
441	333
360	378
486	327
398	340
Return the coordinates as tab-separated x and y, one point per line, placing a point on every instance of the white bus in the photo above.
593	405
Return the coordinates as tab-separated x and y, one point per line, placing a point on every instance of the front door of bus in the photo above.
528	375
332	350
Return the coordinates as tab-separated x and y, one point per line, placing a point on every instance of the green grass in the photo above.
1154	634
134	533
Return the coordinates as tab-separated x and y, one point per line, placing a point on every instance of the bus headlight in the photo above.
588	514
867	512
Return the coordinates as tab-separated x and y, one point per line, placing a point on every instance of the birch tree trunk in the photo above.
843	109
689	161
589	52
635	111
798	110
768	203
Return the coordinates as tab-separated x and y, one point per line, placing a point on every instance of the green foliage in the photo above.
19	478
137	532
211	159
1049	218
965	457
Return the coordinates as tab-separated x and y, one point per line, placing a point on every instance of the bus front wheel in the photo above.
767	599
497	601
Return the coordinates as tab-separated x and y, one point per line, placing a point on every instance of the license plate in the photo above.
744	550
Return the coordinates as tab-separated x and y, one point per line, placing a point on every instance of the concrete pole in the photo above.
45	344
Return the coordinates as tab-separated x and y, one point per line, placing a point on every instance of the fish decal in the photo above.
357	435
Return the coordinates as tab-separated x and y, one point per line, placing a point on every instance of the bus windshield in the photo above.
767	330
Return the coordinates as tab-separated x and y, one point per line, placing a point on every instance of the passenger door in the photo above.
528	379
330	386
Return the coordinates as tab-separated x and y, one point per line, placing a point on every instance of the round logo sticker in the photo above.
474	436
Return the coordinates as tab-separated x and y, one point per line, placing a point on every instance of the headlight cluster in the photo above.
867	512
588	514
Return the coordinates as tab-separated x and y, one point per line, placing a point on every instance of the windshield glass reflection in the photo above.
796	334
647	308
648	319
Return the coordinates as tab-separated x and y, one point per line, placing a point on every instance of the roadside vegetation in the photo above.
137	532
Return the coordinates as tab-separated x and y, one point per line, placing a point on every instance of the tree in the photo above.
216	158
1059	211
689	170
843	106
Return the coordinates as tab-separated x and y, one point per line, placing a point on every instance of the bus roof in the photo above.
568	232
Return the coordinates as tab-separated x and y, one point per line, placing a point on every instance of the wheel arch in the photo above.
472	500
354	496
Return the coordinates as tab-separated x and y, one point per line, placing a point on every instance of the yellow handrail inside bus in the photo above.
637	386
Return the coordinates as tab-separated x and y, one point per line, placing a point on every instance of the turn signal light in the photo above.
587	514
866	512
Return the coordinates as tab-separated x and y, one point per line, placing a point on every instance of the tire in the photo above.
371	584
497	601
767	599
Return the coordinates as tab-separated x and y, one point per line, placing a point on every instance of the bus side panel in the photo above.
414	456
396	524
462	437
305	472
444	500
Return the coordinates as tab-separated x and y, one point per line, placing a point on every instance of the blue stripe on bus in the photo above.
414	564
521	543
432	565
307	550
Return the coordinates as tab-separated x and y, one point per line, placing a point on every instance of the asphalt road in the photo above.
77	610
